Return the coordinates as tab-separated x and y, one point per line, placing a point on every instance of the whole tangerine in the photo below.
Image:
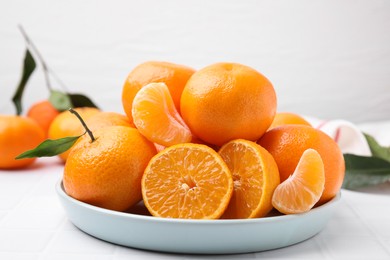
288	118
227	101
66	124
287	144
18	134
107	172
43	112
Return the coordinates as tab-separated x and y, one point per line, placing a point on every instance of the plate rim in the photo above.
61	192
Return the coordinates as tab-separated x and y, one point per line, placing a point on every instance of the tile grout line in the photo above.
318	240
45	251
22	199
324	249
377	237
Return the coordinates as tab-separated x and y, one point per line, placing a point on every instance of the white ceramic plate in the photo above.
195	236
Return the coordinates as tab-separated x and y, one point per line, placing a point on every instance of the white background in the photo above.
327	58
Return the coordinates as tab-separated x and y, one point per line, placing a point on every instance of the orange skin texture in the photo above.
287	144
105	119
227	101
43	113
66	124
175	76
107	172
286	118
17	135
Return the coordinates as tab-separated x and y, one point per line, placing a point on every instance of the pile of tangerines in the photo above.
203	144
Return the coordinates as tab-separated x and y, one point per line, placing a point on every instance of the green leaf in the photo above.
50	147
28	68
80	100
376	149
61	101
364	171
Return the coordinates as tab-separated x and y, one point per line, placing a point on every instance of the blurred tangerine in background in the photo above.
18	134
105	119
43	112
66	124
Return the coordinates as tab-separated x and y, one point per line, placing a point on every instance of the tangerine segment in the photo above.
255	177
156	117
188	181
303	189
288	142
174	75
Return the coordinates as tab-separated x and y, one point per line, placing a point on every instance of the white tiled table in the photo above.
33	225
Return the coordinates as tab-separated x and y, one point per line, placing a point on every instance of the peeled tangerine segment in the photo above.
156	117
303	189
255	176
188	181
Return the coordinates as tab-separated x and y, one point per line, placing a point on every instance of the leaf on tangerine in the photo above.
50	147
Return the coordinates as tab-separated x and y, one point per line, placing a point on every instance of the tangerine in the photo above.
255	177
156	117
18	134
105	119
302	190
288	142
66	124
187	181
175	76
107	172
43	113
287	118
227	101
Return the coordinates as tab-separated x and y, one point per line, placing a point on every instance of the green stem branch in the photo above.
40	58
83	123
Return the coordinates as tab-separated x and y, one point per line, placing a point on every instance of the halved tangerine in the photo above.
303	189
157	118
255	177
187	181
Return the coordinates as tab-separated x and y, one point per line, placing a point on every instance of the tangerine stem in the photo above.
40	58
83	123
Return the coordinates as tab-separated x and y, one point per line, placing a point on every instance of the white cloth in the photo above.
347	135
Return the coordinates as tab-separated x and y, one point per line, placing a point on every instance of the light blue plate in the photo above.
196	236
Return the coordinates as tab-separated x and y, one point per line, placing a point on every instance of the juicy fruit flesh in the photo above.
187	181
302	190
156	117
255	176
